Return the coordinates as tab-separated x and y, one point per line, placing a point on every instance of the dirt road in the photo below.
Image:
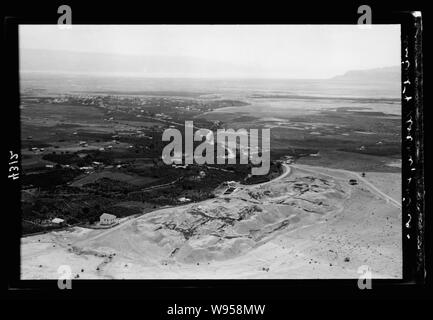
356	175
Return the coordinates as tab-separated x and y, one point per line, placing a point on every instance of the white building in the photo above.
107	219
57	221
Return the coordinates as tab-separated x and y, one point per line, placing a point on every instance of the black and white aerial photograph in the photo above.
210	151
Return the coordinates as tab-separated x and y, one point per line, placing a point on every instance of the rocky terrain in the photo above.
301	225
229	226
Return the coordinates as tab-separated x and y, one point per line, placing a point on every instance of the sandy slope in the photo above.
306	224
389	183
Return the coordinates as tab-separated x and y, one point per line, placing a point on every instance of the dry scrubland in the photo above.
304	225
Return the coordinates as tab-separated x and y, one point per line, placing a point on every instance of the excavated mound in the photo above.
223	228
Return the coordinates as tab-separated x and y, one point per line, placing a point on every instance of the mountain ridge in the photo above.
391	73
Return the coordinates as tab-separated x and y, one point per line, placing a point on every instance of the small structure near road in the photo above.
353	182
107	219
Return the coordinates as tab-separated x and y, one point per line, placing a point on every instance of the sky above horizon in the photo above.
288	51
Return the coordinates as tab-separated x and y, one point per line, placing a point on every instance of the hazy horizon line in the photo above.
239	71
206	77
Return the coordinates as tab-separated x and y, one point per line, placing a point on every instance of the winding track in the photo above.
358	176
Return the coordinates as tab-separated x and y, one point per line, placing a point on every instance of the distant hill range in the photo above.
386	74
172	66
145	65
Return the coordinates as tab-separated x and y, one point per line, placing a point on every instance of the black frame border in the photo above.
413	215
